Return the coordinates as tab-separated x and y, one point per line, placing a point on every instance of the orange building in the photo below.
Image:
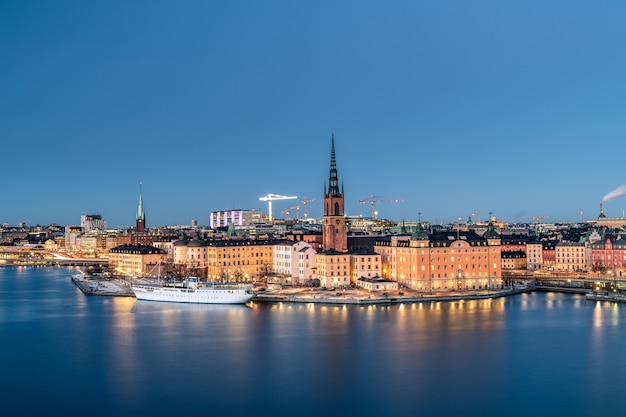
443	260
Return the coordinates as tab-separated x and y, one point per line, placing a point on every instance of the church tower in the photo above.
140	225
334	232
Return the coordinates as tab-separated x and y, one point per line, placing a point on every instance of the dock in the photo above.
358	298
94	285
606	296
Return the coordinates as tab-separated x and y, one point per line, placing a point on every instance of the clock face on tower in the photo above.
337	221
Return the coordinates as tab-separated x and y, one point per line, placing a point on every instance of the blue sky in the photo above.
454	107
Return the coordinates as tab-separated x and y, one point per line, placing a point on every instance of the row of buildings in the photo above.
340	251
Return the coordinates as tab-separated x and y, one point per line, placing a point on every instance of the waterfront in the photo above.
535	353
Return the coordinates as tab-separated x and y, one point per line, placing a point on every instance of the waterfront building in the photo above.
570	256
513	260
333	261
240	259
365	263
534	255
548	254
295	261
136	260
443	260
192	254
333	268
609	256
377	284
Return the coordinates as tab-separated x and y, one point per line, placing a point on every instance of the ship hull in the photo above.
202	295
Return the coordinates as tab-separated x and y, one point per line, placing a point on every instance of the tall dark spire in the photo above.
333	182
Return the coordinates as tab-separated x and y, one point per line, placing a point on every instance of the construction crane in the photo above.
297	209
304	204
273	197
286	213
372	200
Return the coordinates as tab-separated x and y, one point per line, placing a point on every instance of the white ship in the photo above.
189	291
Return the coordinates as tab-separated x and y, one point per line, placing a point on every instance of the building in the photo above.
92	221
192	255
512	260
610	222
609	256
534	255
570	256
135	260
72	234
240	259
237	217
295	261
334	230
140	218
443	260
333	262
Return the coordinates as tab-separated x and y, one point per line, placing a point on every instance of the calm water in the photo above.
63	353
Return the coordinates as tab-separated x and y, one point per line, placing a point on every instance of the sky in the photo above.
456	108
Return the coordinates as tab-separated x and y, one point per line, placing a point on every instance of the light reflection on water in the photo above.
544	353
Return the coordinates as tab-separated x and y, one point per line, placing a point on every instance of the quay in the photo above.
357	297
94	285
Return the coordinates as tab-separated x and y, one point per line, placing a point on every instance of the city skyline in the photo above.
454	109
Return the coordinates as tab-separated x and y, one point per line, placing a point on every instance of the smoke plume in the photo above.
618	192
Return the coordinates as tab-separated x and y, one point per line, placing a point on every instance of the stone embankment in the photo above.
95	285
364	298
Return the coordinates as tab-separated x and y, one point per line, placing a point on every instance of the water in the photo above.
541	354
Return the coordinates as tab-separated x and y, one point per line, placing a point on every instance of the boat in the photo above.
606	296
191	291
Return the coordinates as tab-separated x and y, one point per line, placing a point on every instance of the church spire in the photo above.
141	215
140	224
333	181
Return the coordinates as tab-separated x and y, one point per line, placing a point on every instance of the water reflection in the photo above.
470	357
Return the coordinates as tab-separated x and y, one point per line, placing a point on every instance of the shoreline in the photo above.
372	299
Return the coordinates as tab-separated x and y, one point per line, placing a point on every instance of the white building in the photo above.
295	260
92	221
236	217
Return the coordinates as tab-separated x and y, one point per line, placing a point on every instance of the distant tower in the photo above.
140	226
334	232
601	216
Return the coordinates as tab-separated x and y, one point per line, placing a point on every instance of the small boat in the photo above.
190	291
606	296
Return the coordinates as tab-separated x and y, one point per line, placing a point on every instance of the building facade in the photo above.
135	260
443	261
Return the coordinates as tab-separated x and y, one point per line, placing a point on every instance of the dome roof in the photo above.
181	242
419	233
197	242
491	232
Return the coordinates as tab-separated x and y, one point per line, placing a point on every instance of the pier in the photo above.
103	286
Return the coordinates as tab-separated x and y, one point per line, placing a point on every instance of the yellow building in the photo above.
240	259
333	268
442	261
570	256
136	260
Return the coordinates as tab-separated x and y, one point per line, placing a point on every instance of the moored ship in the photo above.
190	291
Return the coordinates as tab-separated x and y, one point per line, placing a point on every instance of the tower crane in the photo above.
286	213
304	204
273	197
372	200
297	209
